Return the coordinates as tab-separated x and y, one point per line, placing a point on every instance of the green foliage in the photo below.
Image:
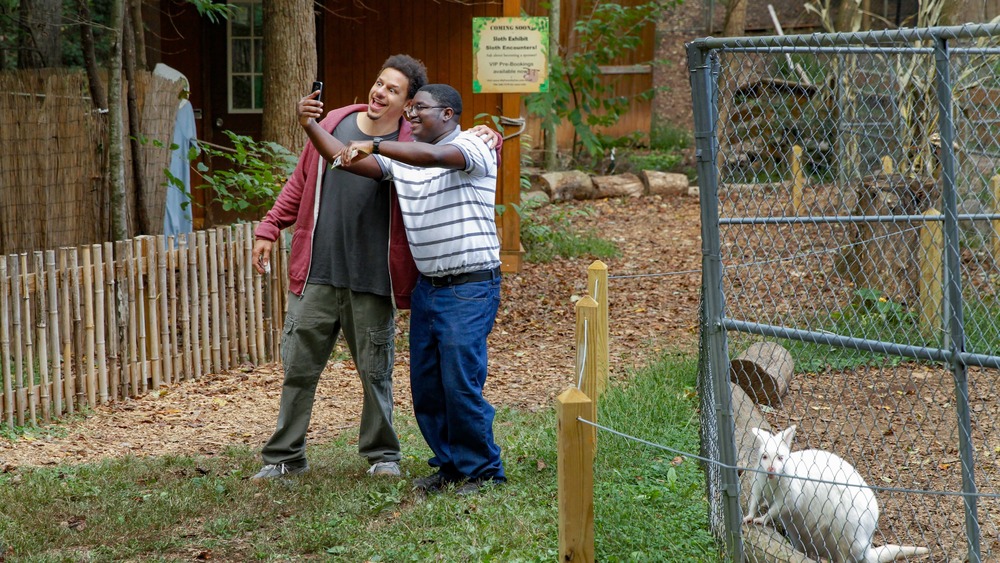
659	160
871	315
212	10
578	93
551	234
254	174
666	137
72	48
649	504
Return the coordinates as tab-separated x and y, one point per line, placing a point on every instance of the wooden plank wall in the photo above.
358	37
628	84
83	326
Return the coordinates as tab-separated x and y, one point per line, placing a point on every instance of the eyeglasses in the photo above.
413	110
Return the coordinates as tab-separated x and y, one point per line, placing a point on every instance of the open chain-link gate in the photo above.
850	194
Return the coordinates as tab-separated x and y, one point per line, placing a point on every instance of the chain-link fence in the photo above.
850	210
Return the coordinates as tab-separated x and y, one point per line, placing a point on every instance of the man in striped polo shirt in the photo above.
446	184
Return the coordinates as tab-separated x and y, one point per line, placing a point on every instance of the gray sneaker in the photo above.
384	469
275	470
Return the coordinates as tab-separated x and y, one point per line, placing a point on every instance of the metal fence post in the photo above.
953	292
704	94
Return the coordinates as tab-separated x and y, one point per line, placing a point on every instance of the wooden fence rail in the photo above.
84	326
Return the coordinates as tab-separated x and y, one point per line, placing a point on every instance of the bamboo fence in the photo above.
84	326
53	186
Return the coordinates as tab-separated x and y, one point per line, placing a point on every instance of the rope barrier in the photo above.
753	470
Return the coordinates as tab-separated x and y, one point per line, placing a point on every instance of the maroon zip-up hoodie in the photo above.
298	205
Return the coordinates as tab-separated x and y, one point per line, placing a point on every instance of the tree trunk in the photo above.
38	43
289	68
135	129
551	146
97	96
116	148
849	16
138	33
957	12
736	19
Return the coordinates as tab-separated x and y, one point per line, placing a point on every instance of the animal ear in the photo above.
787	435
759	434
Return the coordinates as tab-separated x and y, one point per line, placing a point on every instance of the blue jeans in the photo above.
448	330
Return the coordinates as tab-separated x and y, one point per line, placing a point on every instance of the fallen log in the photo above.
665	183
628	185
763	371
567	185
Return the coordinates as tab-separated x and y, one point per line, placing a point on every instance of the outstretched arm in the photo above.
309	109
414	153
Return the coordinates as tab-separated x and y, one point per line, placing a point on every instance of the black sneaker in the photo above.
431	483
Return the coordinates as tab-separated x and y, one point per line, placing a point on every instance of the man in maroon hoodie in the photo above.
350	268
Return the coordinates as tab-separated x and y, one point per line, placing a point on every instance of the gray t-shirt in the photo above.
351	242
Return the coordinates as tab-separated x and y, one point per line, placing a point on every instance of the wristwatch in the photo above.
375	143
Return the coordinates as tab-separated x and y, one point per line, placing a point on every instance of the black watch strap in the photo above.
375	143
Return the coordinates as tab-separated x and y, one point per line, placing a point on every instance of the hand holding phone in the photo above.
317	85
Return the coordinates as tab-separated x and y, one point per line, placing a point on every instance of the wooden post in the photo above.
586	355
597	287
101	353
798	179
509	181
931	283
575	477
42	330
8	384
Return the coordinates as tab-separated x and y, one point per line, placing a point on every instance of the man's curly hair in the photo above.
413	69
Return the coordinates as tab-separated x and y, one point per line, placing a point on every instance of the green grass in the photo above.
648	506
874	317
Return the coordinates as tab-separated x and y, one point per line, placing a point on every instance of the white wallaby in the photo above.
836	521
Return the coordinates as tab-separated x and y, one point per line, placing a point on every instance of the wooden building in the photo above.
222	63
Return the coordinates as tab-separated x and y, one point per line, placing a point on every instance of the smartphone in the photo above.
317	85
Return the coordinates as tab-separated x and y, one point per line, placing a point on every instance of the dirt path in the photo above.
653	295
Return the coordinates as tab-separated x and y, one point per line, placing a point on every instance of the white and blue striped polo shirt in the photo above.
449	214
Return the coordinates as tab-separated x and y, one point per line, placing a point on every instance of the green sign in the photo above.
510	55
